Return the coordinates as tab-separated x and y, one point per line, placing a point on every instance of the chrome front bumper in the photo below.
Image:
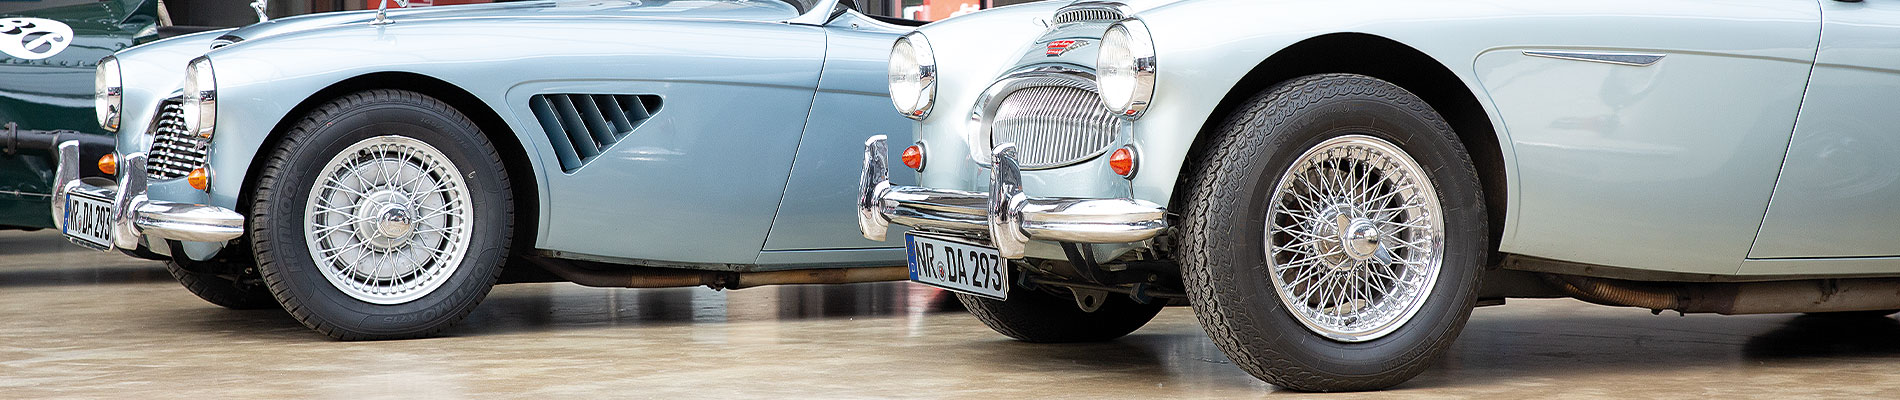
1007	217
135	217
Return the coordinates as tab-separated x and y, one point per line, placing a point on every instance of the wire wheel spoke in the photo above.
388	221
1353	238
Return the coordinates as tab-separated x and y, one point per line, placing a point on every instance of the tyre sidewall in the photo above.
455	138
1401	119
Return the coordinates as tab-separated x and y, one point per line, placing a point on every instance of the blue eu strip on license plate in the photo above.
958	266
88	220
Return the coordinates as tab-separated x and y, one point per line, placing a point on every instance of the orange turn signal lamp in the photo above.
198	179
914	156
109	164
1122	161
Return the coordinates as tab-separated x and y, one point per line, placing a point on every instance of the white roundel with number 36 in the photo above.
33	38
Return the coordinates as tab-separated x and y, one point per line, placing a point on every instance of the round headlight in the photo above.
913	73
201	98
1125	68
108	89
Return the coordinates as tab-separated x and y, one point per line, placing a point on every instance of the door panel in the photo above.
1667	166
819	210
700	181
1839	193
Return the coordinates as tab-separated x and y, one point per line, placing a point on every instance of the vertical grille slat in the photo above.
616	112
597	124
641	107
1087	12
174	151
582	126
576	129
1054	124
557	135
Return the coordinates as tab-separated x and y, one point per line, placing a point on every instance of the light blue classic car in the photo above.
1334	186
375	173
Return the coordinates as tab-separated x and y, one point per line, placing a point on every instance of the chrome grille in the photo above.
175	152
1087	12
1053	125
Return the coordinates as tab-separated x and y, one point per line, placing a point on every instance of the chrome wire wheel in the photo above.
388	221
1354	238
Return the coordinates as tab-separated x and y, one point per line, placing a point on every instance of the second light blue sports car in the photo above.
375	173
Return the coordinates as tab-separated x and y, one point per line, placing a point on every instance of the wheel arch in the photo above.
524	182
1390	60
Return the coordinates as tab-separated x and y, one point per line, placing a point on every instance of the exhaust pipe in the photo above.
1812	295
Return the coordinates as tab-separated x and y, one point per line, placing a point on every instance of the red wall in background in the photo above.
932	10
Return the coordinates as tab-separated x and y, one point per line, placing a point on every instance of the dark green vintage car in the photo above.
48	52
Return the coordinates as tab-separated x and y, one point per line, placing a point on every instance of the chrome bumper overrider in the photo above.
133	215
1005	215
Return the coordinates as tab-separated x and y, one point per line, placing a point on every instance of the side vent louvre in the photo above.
581	126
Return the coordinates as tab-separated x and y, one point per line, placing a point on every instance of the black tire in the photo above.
1855	314
1221	233
289	176
221	291
1041	317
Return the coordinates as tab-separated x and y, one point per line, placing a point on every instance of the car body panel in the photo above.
700	184
827	159
1839	189
1667	167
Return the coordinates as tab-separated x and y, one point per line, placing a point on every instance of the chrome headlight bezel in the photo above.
200	103
108	94
1125	68
913	76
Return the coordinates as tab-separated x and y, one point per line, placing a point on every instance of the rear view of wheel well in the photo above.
520	173
1383	58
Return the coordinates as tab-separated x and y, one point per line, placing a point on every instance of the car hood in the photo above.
672	9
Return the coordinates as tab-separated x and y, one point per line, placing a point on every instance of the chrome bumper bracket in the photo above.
1008	217
134	216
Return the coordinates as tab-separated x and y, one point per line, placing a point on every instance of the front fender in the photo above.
152	72
1203	53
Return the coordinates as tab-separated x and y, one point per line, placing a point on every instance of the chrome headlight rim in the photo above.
200	103
912	53
1125	68
108	96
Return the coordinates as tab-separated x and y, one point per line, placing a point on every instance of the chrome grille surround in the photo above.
1089	11
175	151
1052	114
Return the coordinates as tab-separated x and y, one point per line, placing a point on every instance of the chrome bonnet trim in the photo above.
1629	59
1085	11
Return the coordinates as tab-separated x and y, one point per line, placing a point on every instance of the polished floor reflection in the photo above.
75	323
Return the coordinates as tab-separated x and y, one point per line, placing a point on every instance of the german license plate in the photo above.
88	220
958	266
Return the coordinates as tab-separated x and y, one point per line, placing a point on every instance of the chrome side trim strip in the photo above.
1630	59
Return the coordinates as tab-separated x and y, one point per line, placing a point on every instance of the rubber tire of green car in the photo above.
1221	242
1037	316
288	176
221	291
1855	314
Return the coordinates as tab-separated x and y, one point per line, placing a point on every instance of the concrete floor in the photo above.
75	323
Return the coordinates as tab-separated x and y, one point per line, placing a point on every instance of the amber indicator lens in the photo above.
109	164
914	157
1122	161
198	179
